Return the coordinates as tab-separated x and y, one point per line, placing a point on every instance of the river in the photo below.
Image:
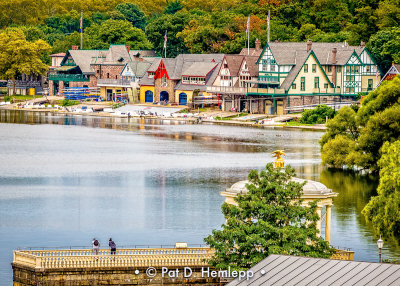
67	179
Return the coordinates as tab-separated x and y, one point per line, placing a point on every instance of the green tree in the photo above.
339	152
18	56
383	210
133	14
269	219
173	24
115	32
385	47
317	115
173	6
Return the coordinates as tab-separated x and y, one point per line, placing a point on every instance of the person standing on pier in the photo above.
96	246
112	245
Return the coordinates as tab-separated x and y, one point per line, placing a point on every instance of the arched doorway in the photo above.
182	98
148	96
164	96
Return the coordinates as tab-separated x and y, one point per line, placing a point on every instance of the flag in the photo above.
165	40
248	25
377	74
81	24
268	18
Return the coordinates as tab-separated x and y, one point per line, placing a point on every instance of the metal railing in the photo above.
133	257
23	83
113	82
226	89
68	77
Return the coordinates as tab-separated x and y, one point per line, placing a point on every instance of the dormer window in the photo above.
151	74
185	80
201	80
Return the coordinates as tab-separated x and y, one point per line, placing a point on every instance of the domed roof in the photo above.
311	188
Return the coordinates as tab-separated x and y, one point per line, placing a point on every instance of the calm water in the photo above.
67	179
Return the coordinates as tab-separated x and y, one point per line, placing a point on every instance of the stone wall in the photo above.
23	275
158	88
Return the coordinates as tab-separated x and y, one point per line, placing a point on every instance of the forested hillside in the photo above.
206	26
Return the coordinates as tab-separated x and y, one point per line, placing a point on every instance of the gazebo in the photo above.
312	190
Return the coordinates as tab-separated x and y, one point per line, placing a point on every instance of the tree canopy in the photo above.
269	219
383	210
214	25
19	56
354	139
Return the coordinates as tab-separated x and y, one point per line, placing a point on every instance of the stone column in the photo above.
319	221
51	88
328	224
60	86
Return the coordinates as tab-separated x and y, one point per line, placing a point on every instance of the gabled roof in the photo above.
285	53
253	52
301	59
251	65
297	270
199	69
234	63
83	58
117	54
138	68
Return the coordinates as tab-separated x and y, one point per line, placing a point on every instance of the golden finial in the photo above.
279	161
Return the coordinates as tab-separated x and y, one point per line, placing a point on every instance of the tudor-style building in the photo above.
230	84
297	74
178	80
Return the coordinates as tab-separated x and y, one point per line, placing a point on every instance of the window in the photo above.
202	80
108	75
225	66
164	81
316	82
306	68
272	68
193	80
326	85
329	68
151	74
314	68
294	86
348	69
338	69
303	84
370	83
185	79
368	68
356	69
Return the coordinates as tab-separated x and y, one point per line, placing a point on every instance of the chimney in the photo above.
362	44
74	47
309	45
258	45
128	48
334	53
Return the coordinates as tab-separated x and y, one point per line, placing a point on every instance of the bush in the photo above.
317	115
68	102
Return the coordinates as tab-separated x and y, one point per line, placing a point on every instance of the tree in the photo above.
269	219
173	6
385	47
383	210
18	56
133	14
317	115
173	24
116	32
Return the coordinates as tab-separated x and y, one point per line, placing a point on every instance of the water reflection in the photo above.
68	178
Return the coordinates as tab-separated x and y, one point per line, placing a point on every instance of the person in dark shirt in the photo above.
112	245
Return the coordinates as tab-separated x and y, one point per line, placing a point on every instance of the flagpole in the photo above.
248	37
269	19
81	30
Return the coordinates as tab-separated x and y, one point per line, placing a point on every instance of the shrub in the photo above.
68	102
317	115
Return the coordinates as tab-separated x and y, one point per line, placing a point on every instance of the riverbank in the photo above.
172	113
